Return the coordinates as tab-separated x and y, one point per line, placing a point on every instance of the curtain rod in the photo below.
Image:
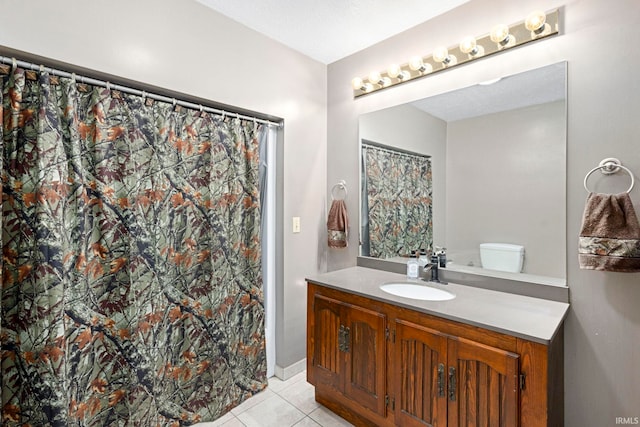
102	83
393	150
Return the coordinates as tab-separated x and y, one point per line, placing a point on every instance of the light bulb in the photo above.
375	77
441	54
416	63
500	34
358	84
535	22
396	72
469	45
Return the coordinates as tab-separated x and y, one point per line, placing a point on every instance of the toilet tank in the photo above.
502	257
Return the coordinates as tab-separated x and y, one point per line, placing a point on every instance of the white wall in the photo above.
184	46
602	332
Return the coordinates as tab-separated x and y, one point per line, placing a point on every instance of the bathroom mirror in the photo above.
498	167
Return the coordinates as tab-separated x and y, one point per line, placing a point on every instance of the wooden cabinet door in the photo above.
483	385
324	339
420	376
365	358
349	353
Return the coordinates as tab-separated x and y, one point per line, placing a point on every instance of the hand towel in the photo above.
610	234
338	224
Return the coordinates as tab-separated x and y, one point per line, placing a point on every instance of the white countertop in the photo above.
525	317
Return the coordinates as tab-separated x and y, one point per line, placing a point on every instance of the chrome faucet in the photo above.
432	268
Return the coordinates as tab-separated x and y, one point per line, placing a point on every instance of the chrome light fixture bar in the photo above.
537	26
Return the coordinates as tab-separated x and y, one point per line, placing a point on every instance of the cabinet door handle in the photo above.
441	380
344	338
452	383
347	339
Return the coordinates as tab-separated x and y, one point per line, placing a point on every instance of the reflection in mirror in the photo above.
498	169
396	195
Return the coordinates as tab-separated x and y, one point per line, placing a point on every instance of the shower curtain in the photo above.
396	202
131	281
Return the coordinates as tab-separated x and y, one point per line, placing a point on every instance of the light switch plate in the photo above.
296	224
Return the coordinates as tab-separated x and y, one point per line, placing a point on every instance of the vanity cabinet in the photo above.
348	352
445	380
379	364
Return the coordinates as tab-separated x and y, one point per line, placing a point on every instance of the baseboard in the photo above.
291	370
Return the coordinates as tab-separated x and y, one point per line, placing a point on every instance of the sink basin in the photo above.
417	291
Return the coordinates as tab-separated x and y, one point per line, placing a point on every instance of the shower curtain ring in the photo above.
73	77
14	64
109	86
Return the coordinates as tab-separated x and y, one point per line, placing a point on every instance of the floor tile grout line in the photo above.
278	393
278	396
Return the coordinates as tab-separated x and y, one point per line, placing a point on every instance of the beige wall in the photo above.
184	46
602	335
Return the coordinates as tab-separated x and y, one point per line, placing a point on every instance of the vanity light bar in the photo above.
537	26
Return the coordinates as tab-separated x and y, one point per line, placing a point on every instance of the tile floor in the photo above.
283	404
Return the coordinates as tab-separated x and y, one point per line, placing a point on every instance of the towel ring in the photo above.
342	185
609	166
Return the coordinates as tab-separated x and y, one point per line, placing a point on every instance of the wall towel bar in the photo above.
335	190
609	166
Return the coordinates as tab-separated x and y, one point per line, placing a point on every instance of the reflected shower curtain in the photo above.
131	280
396	202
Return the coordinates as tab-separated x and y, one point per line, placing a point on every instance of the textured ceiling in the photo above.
328	30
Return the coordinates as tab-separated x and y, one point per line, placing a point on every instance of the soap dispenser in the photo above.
442	258
412	267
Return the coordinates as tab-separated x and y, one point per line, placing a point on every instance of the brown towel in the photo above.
338	224
610	235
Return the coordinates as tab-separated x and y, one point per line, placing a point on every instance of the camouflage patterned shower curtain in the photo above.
397	214
131	278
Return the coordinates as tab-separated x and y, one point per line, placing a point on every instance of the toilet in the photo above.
502	257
